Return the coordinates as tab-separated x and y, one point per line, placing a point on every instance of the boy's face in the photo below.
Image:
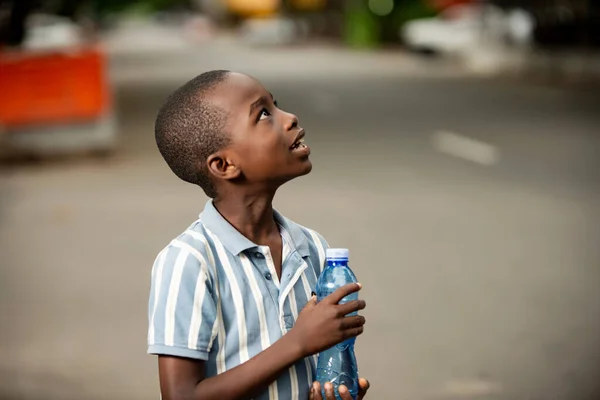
266	142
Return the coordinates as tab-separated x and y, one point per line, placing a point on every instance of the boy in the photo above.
231	314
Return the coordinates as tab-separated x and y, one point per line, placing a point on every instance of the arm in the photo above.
318	327
182	378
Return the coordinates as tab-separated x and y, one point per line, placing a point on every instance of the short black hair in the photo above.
189	129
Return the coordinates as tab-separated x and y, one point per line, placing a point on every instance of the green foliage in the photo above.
136	6
408	10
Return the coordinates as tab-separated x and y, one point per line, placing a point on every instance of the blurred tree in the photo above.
13	27
115	6
361	28
404	11
12	30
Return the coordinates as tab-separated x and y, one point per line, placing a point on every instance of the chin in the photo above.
307	168
303	170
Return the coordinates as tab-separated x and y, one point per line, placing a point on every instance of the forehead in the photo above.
237	93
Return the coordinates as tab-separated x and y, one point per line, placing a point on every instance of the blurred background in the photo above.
455	146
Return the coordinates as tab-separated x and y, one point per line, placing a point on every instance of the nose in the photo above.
291	122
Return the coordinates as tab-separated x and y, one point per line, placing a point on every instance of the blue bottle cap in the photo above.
337	254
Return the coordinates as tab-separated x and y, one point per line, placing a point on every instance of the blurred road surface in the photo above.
470	208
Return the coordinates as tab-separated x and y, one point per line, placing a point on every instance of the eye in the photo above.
263	114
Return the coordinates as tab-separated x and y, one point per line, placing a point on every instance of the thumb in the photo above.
312	301
310	305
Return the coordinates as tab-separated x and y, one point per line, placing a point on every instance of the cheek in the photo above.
262	158
270	150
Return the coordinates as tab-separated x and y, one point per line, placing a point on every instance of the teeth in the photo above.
298	144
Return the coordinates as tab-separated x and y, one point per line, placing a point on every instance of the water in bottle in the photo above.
337	364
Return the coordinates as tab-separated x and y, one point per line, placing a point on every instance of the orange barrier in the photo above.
253	8
308	5
58	87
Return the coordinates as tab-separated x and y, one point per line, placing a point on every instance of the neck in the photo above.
250	214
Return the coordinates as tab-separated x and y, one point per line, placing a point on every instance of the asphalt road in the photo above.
470	208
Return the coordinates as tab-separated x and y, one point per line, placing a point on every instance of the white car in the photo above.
466	27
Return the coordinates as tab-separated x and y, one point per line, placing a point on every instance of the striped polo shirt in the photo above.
215	296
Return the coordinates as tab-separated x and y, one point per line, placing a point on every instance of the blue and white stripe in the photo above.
215	297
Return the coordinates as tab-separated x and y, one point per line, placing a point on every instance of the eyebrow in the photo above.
261	101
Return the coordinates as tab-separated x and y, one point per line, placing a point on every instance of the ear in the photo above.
222	167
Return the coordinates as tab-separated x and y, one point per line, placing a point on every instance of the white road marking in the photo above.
466	148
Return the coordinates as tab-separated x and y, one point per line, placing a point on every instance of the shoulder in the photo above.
190	250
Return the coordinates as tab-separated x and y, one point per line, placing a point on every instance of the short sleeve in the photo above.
182	311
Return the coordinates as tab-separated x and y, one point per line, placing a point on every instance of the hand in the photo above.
315	391
323	325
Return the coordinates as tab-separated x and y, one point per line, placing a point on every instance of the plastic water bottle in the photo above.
337	364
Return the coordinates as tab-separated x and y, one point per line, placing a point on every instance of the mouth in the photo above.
299	142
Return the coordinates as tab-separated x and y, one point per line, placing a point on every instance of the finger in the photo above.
350	307
342	292
344	393
329	395
353	322
311	302
363	386
315	392
353	332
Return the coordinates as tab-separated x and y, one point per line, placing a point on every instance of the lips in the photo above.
299	141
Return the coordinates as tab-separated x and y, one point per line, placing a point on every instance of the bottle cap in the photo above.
337	254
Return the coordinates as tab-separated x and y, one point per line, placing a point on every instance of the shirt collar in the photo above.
236	243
